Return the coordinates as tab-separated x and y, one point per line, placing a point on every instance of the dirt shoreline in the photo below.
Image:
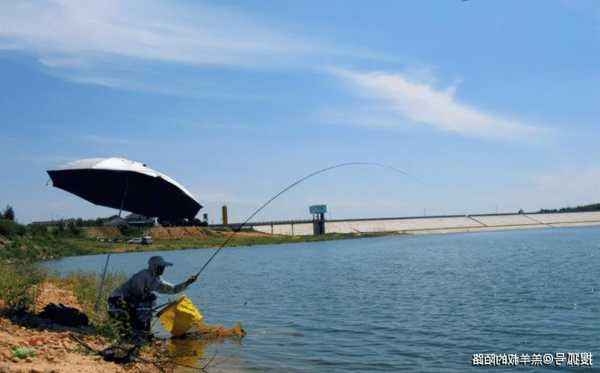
53	346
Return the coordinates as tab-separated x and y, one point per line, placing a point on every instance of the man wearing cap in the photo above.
132	302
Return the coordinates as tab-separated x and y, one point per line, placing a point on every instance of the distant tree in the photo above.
9	213
38	229
73	228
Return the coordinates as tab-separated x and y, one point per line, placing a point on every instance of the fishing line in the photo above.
315	173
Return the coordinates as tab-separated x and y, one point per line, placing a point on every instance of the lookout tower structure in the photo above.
318	218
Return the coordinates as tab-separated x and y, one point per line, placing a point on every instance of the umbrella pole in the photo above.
101	288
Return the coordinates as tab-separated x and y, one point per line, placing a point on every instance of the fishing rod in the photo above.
315	173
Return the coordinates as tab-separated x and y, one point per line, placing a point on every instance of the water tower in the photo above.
318	218
224	215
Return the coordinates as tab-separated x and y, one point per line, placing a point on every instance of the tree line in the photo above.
9	227
582	208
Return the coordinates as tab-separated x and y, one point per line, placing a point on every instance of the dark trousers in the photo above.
132	315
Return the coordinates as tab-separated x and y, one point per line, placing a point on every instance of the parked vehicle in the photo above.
146	240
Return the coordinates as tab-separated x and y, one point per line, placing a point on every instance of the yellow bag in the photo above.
178	317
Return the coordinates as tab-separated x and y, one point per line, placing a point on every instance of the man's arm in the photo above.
168	288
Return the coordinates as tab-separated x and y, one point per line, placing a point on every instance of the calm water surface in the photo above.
398	303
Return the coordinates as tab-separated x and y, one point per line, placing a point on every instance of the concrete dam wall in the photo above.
436	224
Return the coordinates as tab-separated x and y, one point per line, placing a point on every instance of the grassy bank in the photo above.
185	243
34	243
85	287
20	287
32	343
31	243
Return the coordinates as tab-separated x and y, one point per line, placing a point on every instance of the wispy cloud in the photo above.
49	160
64	31
97	42
394	100
105	140
102	81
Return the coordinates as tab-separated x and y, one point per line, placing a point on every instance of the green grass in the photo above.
34	248
212	242
85	287
18	289
9	228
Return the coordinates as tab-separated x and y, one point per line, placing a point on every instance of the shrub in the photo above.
18	286
11	229
130	231
73	229
38	230
85	286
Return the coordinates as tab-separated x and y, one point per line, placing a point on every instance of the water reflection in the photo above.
189	353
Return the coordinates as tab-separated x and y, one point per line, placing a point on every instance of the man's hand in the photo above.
192	279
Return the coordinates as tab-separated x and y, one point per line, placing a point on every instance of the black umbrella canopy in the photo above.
128	185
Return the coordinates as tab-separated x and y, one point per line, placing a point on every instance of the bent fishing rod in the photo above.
292	185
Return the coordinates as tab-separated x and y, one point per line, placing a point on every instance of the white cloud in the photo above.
101	81
106	140
67	62
393	100
104	42
81	34
49	160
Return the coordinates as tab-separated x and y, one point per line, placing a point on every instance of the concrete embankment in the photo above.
437	224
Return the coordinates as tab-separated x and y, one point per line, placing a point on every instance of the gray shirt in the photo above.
143	283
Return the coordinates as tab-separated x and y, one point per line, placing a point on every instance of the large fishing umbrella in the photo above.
126	185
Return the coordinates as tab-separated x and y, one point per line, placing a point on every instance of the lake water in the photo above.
397	303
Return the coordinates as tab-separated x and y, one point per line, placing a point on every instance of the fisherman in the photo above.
133	301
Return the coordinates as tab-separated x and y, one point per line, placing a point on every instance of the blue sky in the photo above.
485	104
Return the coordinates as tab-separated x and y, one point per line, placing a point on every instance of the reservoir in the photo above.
395	303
